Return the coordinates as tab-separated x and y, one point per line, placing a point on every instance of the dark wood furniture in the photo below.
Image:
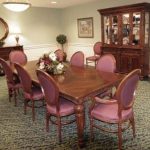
4	51
78	83
125	34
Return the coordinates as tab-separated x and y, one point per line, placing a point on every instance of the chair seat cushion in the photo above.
109	113
93	58
66	108
36	94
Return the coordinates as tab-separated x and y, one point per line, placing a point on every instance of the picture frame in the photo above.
85	27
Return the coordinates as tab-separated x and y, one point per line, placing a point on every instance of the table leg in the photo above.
80	117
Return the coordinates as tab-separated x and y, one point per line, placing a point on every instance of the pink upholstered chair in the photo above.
117	110
97	54
107	63
13	81
55	105
18	56
77	59
60	55
31	89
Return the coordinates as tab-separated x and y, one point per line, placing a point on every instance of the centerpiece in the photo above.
50	63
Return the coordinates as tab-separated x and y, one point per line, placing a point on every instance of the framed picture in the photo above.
85	27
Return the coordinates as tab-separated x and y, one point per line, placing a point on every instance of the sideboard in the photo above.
4	51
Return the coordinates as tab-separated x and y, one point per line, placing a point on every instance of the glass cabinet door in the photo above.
125	29
107	30
147	28
114	30
136	21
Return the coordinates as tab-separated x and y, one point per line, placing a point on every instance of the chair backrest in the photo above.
60	55
7	70
106	63
77	59
97	48
51	90
18	56
126	90
24	78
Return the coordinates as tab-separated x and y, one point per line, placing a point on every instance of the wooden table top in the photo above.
77	83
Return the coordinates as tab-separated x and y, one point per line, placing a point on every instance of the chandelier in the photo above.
16	5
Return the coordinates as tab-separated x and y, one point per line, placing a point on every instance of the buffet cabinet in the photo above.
125	34
4	51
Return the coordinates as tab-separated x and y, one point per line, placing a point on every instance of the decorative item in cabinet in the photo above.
125	29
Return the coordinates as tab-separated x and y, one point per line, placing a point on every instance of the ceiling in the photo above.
59	4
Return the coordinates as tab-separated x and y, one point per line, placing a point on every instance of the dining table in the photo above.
78	84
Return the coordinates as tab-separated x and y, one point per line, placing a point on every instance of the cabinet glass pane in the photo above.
146	27
114	30
125	29
107	33
136	28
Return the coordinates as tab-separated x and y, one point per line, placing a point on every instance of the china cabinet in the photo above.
125	34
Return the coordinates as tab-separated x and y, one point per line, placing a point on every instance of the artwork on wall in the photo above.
85	27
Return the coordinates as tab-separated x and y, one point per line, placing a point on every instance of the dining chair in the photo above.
107	63
97	53
18	56
56	105
13	82
31	89
77	59
60	55
118	110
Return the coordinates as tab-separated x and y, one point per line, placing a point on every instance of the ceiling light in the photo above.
53	2
16	6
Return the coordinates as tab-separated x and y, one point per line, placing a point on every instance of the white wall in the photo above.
40	26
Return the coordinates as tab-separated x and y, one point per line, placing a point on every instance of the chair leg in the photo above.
119	136
25	106
10	94
15	95
47	121
33	111
91	129
59	128
133	125
86	62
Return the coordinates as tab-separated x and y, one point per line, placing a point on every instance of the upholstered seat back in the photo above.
18	57
8	71
126	90
77	59
97	48
25	78
51	91
106	63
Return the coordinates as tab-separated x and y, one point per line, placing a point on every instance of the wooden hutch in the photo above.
125	34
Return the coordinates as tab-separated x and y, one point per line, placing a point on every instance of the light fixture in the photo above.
53	2
16	5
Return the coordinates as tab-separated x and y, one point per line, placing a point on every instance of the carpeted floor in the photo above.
18	132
